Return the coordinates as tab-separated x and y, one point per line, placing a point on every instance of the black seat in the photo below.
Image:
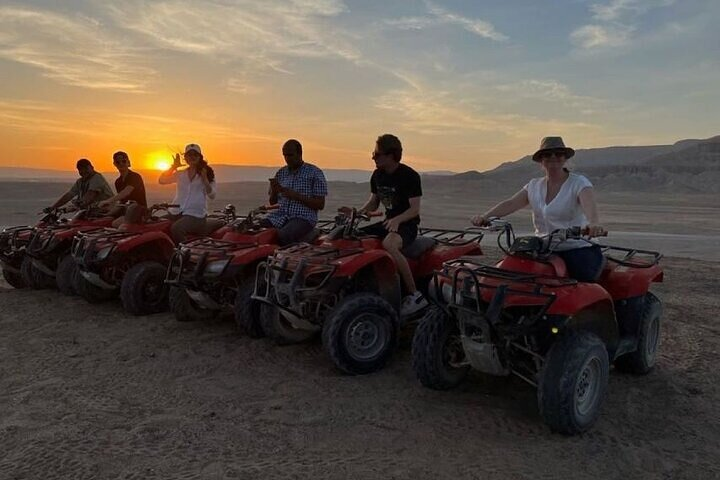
419	246
310	237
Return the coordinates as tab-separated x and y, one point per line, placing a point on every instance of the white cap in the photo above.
193	146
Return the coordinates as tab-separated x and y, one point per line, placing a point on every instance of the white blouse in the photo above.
191	195
563	211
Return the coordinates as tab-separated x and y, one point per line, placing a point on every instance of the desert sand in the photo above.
87	391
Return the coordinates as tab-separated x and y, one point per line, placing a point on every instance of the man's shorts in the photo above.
408	231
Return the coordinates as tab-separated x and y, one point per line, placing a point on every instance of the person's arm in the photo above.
504	208
371	205
121	195
586	197
393	224
67	196
313	202
168	176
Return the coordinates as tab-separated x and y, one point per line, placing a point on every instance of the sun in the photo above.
158	161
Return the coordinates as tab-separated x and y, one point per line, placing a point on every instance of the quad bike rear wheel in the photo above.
642	360
90	292
361	333
438	357
14	279
573	382
64	276
143	290
247	310
33	277
186	309
279	329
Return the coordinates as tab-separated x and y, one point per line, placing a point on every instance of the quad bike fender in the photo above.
158	243
436	256
385	277
350	265
627	282
552	267
571	299
252	255
598	318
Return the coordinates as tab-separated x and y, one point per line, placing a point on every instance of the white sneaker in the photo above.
413	304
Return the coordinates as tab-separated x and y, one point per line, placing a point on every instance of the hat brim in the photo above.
569	152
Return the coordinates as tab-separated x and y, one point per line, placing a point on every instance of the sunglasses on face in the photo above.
120	161
375	155
557	154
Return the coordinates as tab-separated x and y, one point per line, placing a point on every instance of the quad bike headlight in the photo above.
103	253
216	268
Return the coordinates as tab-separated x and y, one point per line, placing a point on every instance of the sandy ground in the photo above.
89	392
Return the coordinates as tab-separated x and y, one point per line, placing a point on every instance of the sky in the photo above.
466	85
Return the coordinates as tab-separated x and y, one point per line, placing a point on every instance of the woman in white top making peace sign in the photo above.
560	199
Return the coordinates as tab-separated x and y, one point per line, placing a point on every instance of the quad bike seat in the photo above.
419	246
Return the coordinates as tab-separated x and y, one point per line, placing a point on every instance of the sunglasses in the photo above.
375	155
553	153
120	161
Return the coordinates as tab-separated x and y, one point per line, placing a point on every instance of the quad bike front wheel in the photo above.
143	290
438	357
33	277
573	382
642	360
361	333
247	310
64	276
186	309
14	279
279	329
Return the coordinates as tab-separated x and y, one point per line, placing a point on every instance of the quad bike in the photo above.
131	260
526	317
13	241
45	250
348	288
211	275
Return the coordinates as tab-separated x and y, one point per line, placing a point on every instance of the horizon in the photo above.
464	86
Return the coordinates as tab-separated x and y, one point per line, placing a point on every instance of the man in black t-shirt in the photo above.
398	188
129	186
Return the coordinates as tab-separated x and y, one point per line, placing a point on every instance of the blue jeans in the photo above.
584	264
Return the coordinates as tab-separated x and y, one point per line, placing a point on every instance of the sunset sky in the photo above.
464	84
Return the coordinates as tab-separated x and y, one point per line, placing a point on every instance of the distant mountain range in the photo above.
684	167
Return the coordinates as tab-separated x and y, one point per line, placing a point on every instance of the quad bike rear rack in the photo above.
650	258
472	287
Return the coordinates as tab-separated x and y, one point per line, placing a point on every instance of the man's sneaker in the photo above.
412	304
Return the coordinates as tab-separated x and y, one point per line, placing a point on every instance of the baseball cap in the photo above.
193	146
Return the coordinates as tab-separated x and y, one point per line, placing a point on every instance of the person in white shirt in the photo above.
560	199
195	185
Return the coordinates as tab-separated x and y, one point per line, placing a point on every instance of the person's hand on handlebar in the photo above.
595	231
480	221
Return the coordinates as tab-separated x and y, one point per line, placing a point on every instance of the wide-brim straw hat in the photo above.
552	143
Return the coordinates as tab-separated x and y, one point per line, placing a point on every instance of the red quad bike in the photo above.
13	241
525	317
132	259
348	287
47	262
209	275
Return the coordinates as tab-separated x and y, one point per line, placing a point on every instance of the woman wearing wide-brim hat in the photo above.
560	199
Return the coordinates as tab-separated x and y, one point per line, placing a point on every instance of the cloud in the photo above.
72	50
440	16
260	35
616	9
597	36
553	92
431	112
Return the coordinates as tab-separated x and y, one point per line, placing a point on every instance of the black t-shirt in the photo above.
132	179
396	189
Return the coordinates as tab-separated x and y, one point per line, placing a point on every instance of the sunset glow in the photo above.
465	85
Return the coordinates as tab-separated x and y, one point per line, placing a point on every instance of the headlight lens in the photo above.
216	267
103	253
